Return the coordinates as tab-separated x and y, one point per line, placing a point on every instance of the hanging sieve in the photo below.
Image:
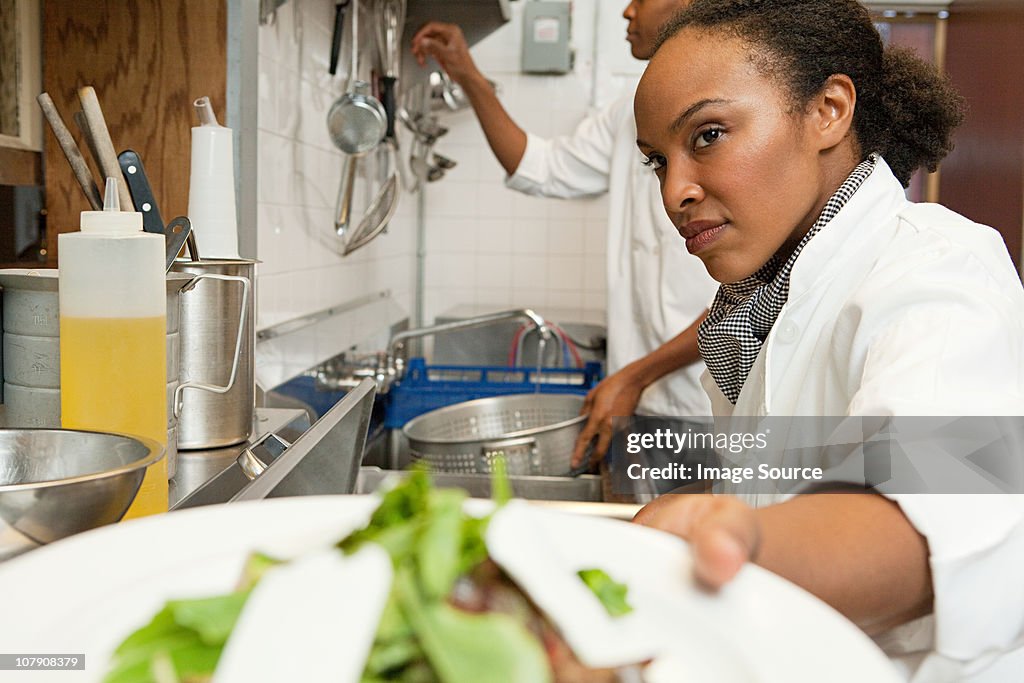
356	121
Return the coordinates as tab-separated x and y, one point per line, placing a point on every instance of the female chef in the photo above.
783	135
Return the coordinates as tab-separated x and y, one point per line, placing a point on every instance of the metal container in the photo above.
55	482
217	338
31	348
535	433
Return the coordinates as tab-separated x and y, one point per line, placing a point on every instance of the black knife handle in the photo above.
142	194
388	100
339	23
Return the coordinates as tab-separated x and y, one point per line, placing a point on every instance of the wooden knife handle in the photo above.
103	144
67	144
83	128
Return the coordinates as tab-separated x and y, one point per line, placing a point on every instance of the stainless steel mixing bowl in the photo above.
58	482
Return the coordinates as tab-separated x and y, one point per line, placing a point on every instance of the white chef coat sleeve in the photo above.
576	165
948	341
976	556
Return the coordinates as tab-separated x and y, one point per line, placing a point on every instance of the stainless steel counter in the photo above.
194	468
197	467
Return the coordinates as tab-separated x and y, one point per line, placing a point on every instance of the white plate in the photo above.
85	594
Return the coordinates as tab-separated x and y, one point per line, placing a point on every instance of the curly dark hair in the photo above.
906	110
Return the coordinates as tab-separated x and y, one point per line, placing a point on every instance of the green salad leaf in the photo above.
432	541
421	636
440	544
501	486
611	593
468	648
186	636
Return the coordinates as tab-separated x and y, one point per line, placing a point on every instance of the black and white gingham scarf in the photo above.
744	312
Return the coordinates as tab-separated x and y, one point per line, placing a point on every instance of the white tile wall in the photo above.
299	173
539	253
485	244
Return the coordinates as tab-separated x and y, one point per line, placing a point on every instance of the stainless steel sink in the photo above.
584	488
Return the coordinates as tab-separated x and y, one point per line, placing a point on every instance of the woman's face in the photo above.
740	172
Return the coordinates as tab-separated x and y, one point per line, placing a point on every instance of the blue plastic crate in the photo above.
428	387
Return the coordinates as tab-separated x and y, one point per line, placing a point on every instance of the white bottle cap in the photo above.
111	220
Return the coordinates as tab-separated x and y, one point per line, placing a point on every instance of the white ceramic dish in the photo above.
85	594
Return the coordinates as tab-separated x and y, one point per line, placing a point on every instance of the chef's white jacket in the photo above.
655	287
902	309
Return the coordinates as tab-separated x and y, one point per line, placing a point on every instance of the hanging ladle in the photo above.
356	123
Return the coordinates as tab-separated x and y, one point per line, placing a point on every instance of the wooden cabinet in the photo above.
21	168
148	61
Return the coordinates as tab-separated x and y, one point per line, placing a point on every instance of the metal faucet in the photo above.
347	370
397	343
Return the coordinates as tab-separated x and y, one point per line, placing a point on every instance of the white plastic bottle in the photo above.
211	188
113	325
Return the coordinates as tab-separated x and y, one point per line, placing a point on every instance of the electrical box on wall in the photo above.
546	32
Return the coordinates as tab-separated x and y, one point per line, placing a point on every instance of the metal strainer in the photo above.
356	121
534	432
380	211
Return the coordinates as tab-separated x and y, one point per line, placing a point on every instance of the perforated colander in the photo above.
534	432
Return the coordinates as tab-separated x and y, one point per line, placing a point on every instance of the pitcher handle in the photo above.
178	400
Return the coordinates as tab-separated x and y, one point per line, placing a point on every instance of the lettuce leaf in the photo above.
611	593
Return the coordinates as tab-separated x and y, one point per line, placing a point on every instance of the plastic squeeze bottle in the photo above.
113	326
211	188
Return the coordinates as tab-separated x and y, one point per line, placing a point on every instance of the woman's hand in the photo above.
856	551
615	396
723	532
446	44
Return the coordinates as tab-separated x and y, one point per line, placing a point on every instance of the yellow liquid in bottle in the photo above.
113	376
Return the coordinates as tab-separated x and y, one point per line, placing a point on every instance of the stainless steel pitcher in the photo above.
31	347
215	401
